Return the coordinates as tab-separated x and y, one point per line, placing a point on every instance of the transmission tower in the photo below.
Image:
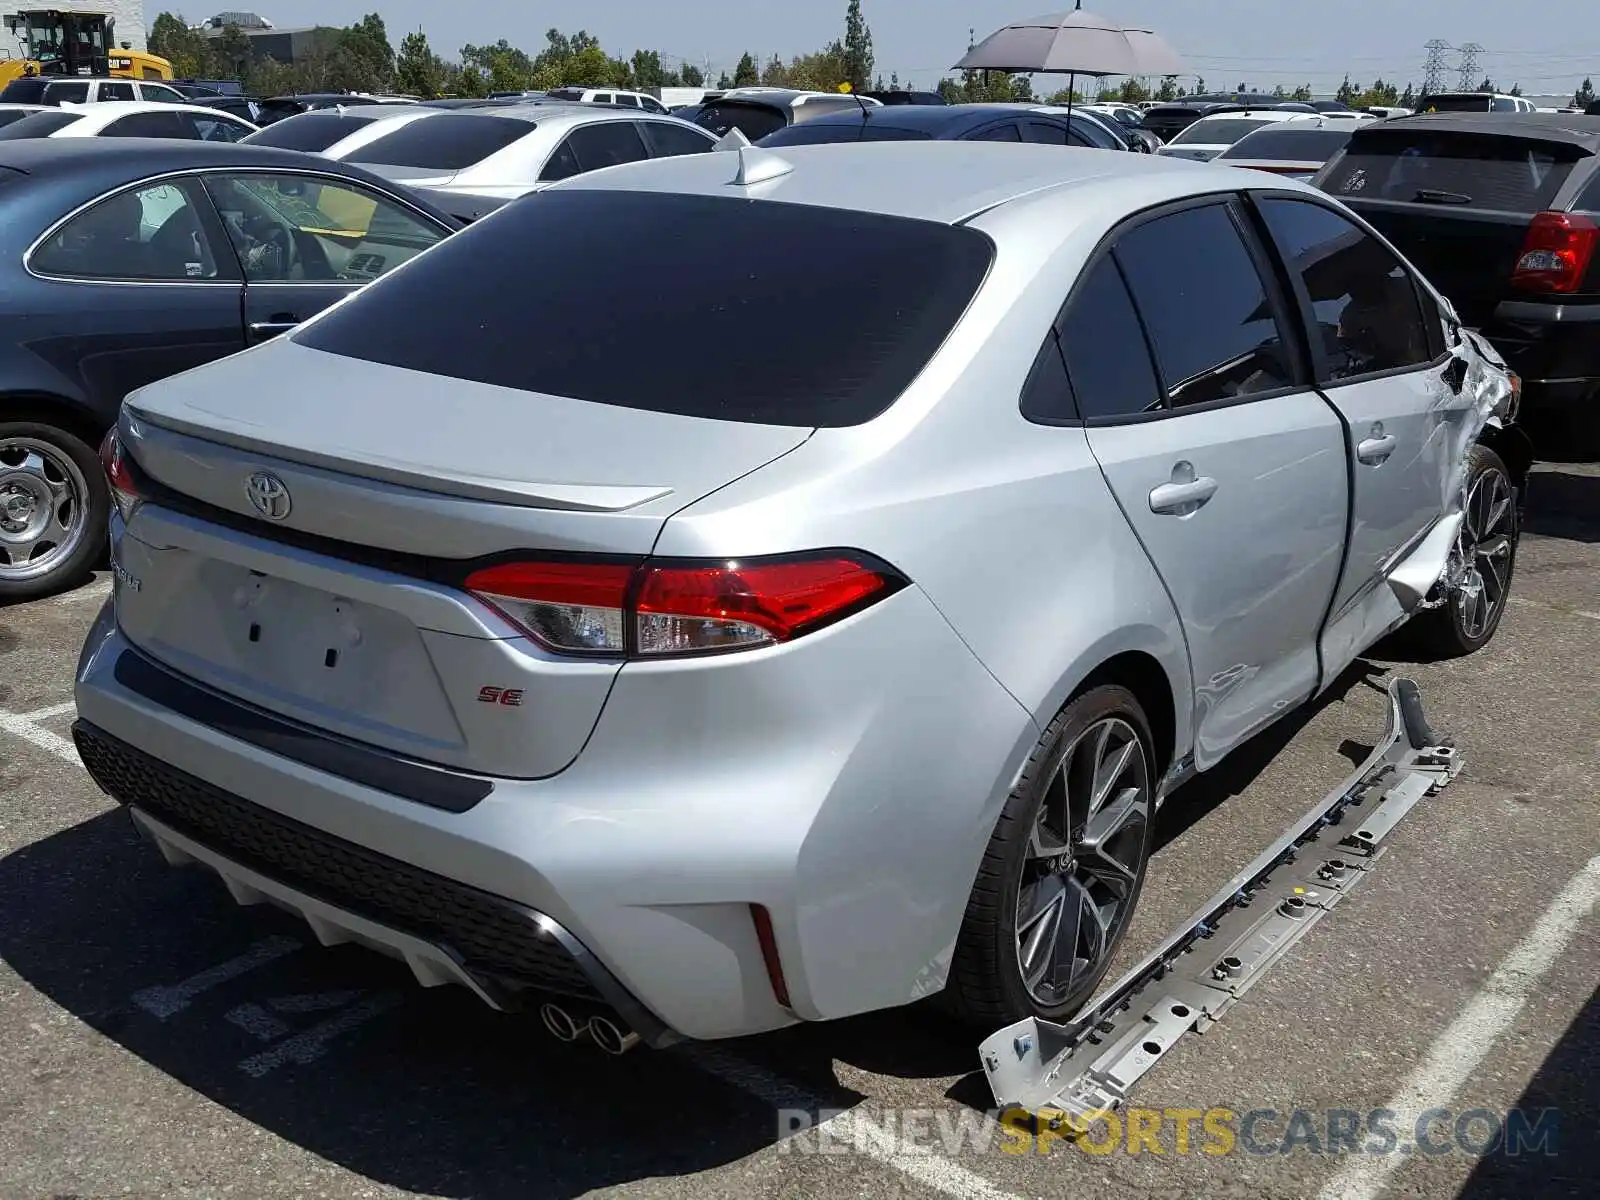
1469	66
1433	70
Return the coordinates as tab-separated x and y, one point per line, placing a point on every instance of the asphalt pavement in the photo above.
159	1041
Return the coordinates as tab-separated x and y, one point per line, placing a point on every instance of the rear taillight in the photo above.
1555	254
119	475
664	608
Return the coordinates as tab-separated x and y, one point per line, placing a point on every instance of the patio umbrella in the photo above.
1072	43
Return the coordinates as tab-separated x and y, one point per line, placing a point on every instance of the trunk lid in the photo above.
1456	201
343	609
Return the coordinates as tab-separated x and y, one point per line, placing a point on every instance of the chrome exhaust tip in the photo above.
611	1037
561	1024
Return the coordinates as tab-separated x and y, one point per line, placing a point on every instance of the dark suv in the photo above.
1502	212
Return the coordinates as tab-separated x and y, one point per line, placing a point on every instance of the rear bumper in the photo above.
1554	347
848	784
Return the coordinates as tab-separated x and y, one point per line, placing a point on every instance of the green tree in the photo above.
857	48
1168	89
1584	96
647	70
497	68
230	53
1301	93
418	71
1348	91
1380	93
1408	98
692	75
188	50
1487	85
1516	89
362	59
1133	91
746	73
1199	85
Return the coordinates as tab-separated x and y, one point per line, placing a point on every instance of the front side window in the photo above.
1212	324
668	140
293	228
149	233
1364	300
216	129
154	91
67	93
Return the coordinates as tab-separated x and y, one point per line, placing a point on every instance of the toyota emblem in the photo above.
268	495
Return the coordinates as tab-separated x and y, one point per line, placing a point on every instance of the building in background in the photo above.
287	46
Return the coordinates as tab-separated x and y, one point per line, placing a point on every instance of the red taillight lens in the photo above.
662	608
1555	254
573	607
119	474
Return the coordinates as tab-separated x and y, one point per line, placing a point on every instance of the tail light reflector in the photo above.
1556	252
769	953
119	474
666	608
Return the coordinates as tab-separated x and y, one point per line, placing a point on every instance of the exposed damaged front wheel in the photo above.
1477	580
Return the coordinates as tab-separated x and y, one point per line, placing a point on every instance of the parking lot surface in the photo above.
159	1040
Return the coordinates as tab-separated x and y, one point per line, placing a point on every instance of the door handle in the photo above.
271	329
1376	450
1182	498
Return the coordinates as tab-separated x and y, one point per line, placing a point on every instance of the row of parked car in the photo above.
250	232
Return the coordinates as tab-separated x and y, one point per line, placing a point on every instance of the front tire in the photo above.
54	508
1481	565
1064	868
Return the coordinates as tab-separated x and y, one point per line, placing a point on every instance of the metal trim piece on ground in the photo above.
1074	1071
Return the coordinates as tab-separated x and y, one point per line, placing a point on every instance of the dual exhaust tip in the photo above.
604	1032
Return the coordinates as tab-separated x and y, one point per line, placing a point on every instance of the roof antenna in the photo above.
758	166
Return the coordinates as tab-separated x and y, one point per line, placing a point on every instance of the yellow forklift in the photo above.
51	42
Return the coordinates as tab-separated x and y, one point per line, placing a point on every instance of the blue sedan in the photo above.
123	261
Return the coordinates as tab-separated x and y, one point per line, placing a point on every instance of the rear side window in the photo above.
67	93
1365	303
999	133
311	132
39	125
150	125
1450	167
713	306
1107	357
449	142
755	121
1288	144
111	90
667	140
1213	327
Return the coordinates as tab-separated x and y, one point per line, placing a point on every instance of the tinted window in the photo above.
1503	104
814	133
153	232
494	304
116	91
24	91
1047	394
999	133
277	110
1439	166
1447	103
1050	135
39	125
606	144
215	129
8	115
755	121
150	125
1365	302
310	132
67	93
1105	350
1589	200
295	227
154	91
1289	143
1223	131
628	101
668	140
448	142
1203	302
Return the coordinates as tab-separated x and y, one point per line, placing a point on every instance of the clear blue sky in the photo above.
1545	45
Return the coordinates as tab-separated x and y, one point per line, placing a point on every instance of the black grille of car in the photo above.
490	934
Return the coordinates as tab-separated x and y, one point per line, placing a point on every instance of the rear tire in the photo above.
1487	552
1075	835
54	509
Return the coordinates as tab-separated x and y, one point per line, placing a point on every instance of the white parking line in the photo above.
931	1169
1520	602
37	735
1463	1046
55	710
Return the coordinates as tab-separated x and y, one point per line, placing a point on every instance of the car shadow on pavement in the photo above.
1569	1164
1564	504
434	1094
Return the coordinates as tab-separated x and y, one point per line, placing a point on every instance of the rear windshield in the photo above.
311	132
8	115
703	306
1450	104
40	124
450	142
816	133
1224	131
755	121
1289	144
1506	174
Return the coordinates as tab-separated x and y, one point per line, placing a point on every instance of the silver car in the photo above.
760	587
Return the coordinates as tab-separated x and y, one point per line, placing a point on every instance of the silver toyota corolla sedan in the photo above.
753	587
